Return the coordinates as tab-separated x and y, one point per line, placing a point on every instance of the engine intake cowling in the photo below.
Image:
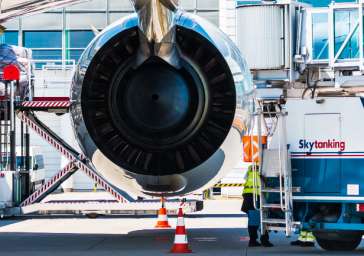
158	127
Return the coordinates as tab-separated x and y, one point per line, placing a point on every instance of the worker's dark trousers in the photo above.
253	218
253	234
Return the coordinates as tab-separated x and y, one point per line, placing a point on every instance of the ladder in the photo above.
275	193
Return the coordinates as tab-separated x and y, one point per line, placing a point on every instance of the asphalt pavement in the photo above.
223	235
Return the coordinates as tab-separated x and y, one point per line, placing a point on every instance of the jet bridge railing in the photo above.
334	36
53	72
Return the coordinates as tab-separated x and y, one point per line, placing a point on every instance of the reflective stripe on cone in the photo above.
162	217
180	241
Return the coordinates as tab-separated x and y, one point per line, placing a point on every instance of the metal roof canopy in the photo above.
14	8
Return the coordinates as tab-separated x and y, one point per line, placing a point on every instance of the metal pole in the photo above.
6	127
24	172
260	164
16	197
1	133
361	27
64	43
12	129
260	145
22	161
27	149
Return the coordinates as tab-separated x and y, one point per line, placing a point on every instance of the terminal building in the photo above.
64	33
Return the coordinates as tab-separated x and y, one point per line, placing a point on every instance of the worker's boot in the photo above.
253	235
264	239
308	244
310	240
267	244
254	243
297	243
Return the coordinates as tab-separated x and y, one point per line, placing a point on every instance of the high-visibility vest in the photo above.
306	236
249	187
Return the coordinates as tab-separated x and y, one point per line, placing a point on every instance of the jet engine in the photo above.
161	100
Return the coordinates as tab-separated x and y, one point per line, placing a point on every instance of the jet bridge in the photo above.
297	44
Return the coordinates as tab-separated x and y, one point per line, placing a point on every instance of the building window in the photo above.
43	39
76	42
47	54
10	37
346	25
46	45
320	36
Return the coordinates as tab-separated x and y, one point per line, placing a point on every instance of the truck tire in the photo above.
338	240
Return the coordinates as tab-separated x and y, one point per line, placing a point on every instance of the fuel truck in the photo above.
307	64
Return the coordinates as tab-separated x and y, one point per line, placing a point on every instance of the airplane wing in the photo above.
14	8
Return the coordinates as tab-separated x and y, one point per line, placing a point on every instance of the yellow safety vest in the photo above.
249	183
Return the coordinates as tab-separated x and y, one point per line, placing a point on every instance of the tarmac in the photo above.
209	233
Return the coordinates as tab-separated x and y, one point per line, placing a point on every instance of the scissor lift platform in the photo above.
123	203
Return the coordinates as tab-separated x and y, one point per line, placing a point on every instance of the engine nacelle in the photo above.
162	117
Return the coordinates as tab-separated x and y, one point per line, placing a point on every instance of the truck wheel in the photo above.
338	240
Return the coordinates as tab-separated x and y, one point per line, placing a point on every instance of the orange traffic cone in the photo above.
162	217
180	240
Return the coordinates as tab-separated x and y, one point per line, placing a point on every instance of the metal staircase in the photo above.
77	162
276	204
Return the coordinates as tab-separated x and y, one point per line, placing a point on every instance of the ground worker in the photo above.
305	239
252	187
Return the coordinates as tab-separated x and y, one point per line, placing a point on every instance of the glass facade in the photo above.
345	45
320	36
79	38
46	45
76	42
42	39
10	37
346	24
65	33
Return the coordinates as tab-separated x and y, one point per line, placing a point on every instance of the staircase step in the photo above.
277	190
274	221
275	206
271	190
276	228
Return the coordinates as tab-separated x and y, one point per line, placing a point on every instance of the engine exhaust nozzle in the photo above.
157	35
156	18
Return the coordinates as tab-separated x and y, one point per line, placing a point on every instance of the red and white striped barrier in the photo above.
50	185
46	104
